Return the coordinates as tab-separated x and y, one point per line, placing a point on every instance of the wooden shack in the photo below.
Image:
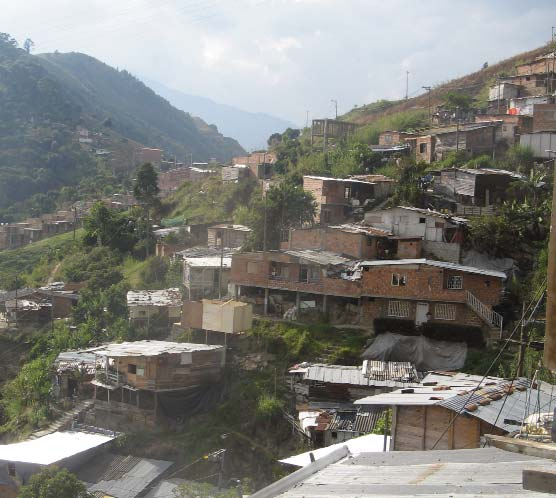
138	378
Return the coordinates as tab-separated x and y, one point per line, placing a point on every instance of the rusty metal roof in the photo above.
363	419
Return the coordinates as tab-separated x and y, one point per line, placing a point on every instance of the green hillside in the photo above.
42	100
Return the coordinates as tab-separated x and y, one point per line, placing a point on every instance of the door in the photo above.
421	315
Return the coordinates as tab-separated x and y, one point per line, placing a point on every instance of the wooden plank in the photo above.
543	481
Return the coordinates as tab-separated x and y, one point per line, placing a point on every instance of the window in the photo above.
11	469
423	148
387	138
422	220
444	311
347	192
141	371
131	368
399	309
398	280
455	282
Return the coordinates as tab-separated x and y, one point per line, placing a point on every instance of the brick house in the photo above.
441	235
337	198
354	240
162	307
393	137
259	163
416	290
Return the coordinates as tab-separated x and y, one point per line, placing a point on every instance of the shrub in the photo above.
473	336
269	407
395	326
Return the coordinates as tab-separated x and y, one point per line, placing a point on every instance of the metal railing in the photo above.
490	316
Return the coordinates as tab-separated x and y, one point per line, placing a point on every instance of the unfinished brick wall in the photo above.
544	117
428	282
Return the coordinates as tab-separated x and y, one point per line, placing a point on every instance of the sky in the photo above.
287	57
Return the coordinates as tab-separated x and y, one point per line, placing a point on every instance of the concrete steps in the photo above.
65	420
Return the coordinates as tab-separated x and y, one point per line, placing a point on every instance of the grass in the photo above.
131	270
38	258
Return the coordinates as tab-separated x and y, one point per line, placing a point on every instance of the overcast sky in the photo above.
285	57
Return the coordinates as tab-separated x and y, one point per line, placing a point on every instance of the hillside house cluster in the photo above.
521	109
13	235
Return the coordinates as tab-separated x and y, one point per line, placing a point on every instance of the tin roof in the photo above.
52	448
486	472
121	476
229	226
163	297
372	373
328	178
436	214
209	262
362	420
499	402
204	251
355	228
319	257
149	348
430	262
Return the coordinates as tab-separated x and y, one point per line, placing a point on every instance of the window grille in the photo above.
455	282
444	311
399	309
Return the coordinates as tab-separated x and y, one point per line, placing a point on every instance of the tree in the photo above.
286	205
520	158
105	227
28	45
454	100
52	482
202	490
145	188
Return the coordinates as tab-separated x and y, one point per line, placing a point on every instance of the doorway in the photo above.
421	314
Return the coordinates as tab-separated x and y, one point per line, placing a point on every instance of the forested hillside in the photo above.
42	101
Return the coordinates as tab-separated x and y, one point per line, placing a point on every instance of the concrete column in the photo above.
297	300
324	300
266	293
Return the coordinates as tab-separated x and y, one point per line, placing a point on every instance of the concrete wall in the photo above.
443	251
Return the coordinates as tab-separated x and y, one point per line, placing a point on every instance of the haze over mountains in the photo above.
250	129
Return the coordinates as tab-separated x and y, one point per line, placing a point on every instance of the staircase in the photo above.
65	420
489	316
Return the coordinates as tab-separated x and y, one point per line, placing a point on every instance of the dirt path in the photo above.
53	273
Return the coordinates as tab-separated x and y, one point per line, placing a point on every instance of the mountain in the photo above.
134	110
251	129
43	98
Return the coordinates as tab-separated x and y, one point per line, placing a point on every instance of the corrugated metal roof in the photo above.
348	180
149	348
353	228
485	472
372	373
209	262
436	214
361	420
202	252
497	401
430	262
319	257
121	476
229	226
162	297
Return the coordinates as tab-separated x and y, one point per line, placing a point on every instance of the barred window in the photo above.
444	311
399	309
398	279
455	282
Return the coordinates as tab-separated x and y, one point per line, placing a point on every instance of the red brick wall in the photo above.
544	117
425	282
409	249
532	67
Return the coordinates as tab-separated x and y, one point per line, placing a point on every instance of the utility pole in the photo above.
221	264
550	330
457	130
428	89
522	344
406	85
336	107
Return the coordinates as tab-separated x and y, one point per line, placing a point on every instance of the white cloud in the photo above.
287	56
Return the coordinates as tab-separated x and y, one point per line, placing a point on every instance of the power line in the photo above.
498	356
